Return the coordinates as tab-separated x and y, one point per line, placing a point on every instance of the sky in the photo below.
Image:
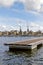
16	13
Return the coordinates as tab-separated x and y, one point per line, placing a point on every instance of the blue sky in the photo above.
17	13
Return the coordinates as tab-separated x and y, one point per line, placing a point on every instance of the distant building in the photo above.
27	30
15	32
0	33
24	33
30	32
6	33
20	32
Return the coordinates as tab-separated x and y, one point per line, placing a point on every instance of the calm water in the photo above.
19	58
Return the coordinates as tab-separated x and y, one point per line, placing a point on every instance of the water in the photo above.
19	58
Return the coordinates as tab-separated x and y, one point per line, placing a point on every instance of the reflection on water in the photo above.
22	58
35	57
18	58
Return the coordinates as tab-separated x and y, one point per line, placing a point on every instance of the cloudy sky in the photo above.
16	13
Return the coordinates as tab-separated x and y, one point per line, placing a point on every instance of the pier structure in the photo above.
25	45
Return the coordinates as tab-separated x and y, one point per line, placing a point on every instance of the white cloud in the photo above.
35	27
32	26
7	28
6	2
41	9
17	23
22	1
28	4
34	5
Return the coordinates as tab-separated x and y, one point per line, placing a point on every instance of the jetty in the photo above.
25	45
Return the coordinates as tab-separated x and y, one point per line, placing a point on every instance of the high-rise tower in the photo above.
20	32
27	29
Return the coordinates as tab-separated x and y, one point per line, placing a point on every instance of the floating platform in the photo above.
25	45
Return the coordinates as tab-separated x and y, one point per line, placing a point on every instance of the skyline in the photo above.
15	13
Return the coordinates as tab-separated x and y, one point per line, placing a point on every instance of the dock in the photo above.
25	45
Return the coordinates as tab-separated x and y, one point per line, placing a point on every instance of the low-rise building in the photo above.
0	33
6	33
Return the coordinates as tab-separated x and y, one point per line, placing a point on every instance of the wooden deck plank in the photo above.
26	42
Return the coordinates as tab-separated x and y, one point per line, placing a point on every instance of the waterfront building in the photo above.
15	32
24	33
0	33
6	33
30	32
